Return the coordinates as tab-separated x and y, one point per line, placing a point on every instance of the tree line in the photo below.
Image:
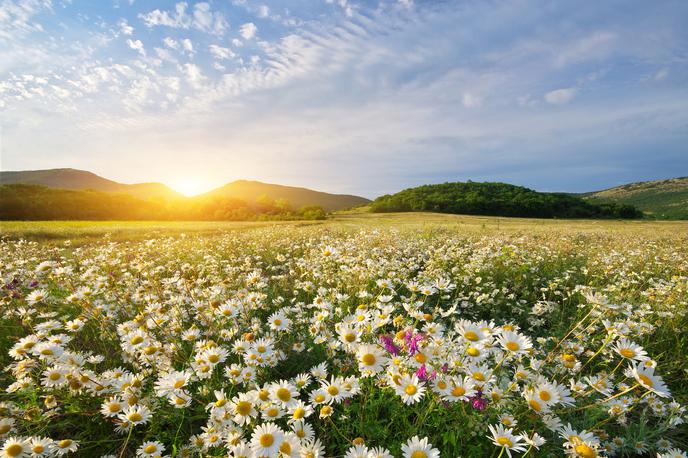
498	199
33	202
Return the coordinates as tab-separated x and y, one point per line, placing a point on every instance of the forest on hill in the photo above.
34	202
498	199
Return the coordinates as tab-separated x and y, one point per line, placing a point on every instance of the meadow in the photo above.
362	336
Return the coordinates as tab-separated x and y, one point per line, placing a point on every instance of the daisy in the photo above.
379	452
284	392
419	448
371	359
312	449
112	407
150	449
41	446
135	415
357	451
266	440
673	453
243	409
65	446
504	437
15	447
410	389
630	350
514	343
647	378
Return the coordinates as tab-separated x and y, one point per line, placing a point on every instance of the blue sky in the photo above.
361	97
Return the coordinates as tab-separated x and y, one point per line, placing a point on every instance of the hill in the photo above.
253	191
662	199
498	199
74	179
35	202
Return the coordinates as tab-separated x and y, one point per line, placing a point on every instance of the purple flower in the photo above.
33	283
478	402
422	373
445	368
412	341
388	343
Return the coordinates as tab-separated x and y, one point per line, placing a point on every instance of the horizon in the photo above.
361	98
192	193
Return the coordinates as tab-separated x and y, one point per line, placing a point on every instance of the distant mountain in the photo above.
663	199
252	191
80	179
498	199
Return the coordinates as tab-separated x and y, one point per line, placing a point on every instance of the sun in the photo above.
190	186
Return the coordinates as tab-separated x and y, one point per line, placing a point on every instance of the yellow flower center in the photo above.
419	454
135	416
368	359
458	391
333	390
513	346
178	384
473	352
350	337
534	405
411	390
470	335
150	448
545	395
220	402
504	441
285	448
14	450
266	440
284	394
585	451
627	353
299	413
647	381
115	407
38	448
319	397
136	340
214	358
64	443
55	376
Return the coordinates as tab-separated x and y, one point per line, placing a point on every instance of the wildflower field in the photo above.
413	336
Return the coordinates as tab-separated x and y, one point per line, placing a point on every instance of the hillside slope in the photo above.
663	199
74	179
251	191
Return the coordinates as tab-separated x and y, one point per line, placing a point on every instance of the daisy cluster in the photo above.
312	343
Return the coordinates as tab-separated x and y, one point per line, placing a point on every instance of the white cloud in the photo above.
202	18
471	101
187	45
125	28
178	19
220	53
263	11
136	45
560	96
207	20
594	46
170	43
248	30
193	74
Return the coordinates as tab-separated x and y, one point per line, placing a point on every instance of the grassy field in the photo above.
364	335
84	231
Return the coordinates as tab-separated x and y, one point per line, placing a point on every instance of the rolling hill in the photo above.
662	199
74	179
251	191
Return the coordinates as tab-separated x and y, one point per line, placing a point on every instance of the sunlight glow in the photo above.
190	186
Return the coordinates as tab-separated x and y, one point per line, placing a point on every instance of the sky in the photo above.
348	96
